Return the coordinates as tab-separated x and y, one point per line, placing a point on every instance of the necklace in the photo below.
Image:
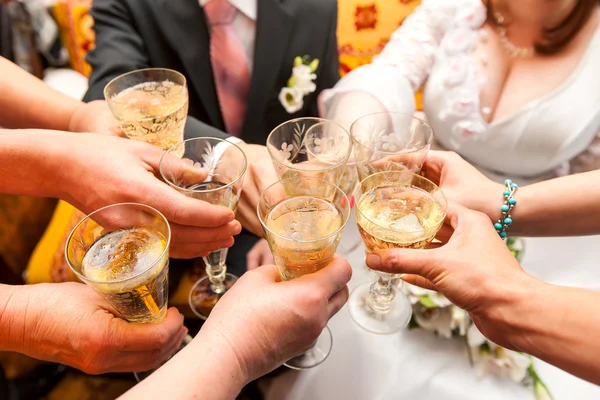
512	50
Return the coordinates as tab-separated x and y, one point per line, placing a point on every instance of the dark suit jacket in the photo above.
133	34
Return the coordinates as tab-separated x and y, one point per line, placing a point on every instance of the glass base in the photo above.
315	355
140	376
203	298
384	323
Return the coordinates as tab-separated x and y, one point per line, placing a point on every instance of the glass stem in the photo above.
382	294
216	270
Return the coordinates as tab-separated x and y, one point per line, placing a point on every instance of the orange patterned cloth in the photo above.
76	30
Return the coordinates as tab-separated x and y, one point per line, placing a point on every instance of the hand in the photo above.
259	177
264	321
260	254
96	171
457	178
475	270
95	117
69	323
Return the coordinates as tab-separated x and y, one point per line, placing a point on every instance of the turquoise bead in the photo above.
512	201
508	182
505	208
502	234
514	186
507	221
498	226
506	193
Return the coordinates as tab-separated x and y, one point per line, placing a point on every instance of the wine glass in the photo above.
388	141
395	209
226	166
303	219
122	251
310	147
151	105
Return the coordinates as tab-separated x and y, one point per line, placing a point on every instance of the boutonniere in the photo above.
300	84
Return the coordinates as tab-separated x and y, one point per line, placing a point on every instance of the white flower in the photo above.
415	292
434	319
460	320
489	357
302	78
460	40
291	99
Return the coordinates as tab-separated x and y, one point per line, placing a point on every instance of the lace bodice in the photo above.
552	135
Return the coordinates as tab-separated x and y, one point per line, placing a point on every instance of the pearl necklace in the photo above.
512	50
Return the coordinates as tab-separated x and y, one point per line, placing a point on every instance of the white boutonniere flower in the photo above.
300	84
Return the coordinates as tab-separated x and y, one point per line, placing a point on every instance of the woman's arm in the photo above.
389	82
563	206
27	102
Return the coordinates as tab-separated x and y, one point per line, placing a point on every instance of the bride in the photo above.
511	85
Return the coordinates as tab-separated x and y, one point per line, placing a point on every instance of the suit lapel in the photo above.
187	31
273	31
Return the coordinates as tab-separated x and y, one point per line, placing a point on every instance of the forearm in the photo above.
558	207
27	166
27	102
559	325
206	369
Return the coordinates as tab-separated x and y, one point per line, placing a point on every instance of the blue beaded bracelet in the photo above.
509	203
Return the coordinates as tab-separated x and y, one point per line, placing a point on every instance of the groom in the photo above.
253	41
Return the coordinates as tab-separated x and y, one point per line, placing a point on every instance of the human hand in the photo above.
259	177
259	254
263	321
96	117
463	183
96	171
69	323
475	270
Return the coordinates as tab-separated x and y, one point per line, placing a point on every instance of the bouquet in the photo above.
435	313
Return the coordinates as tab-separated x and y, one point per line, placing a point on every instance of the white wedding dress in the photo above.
553	135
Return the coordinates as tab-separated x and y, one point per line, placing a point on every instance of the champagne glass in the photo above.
122	251
226	166
388	141
310	147
396	209
151	105
303	219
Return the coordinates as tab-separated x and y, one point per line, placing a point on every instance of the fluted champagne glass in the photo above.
303	219
150	104
310	147
390	141
395	209
226	166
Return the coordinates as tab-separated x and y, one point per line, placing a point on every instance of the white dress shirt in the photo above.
244	24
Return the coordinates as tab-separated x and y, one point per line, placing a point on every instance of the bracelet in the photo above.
509	203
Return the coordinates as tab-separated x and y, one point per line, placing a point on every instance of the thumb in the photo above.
406	261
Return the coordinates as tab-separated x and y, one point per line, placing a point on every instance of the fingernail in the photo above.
373	261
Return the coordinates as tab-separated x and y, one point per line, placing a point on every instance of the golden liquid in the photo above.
299	223
392	217
123	255
153	112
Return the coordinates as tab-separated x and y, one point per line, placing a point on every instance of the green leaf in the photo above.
427	302
314	65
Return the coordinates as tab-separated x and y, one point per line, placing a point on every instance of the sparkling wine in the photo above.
397	216
124	263
153	112
303	238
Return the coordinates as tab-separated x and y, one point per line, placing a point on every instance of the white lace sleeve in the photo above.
404	64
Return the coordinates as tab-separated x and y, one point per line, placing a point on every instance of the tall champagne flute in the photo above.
303	219
390	141
310	147
122	251
151	105
396	209
226	166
